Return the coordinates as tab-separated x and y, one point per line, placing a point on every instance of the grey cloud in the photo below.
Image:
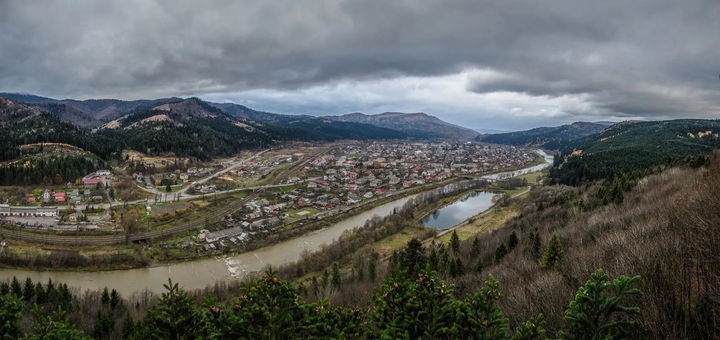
628	57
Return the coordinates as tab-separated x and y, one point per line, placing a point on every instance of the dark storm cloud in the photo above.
625	58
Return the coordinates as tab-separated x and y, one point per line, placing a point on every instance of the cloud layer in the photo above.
465	60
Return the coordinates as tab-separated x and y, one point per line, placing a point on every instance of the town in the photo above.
278	187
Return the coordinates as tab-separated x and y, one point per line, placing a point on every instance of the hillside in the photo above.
635	146
23	158
546	137
418	125
313	128
187	128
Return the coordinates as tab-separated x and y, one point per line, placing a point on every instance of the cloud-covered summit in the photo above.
462	60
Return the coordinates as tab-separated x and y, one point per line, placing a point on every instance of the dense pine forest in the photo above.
635	147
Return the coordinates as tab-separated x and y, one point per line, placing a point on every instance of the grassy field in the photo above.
311	211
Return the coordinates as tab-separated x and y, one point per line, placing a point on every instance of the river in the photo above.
198	274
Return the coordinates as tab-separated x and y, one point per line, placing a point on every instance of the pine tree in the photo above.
412	258
512	241
4	288
325	279
553	253
361	274
597	311
11	308
105	297
15	287
115	300
475	250
336	279
501	251
40	295
128	326
535	244
173	317
455	242
28	290
433	259
372	271
479	266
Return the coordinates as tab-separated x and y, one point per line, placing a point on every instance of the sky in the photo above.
503	65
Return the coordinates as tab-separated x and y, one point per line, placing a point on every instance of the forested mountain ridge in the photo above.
554	138
87	113
636	146
22	126
419	125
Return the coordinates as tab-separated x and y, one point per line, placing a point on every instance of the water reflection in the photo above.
467	206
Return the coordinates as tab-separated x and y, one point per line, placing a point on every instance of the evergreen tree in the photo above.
456	267
512	241
336	279
501	251
10	314
28	290
53	327
105	297
168	188
554	253
40	295
455	242
433	259
4	288
103	325
115	299
479	266
475	250
325	279
372	271
173	317
535	244
128	326
15	287
598	311
361	274
412	258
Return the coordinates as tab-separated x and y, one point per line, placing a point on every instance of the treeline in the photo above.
52	170
71	260
405	306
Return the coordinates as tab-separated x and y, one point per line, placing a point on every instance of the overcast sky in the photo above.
478	63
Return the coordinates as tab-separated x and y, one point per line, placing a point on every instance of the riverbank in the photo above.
28	256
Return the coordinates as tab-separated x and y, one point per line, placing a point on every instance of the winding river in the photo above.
200	273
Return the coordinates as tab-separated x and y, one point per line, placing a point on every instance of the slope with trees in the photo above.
553	138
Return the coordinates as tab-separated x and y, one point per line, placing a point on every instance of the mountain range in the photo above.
193	127
94	113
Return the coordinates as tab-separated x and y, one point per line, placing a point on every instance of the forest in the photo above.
635	147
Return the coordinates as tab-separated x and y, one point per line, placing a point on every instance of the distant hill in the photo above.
193	127
546	137
318	128
419	125
635	146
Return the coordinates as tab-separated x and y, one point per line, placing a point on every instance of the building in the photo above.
91	182
103	173
8	211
